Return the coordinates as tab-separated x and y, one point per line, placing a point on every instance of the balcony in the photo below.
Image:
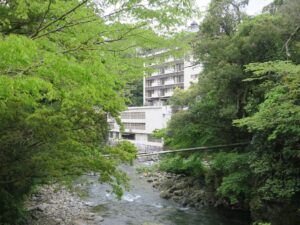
168	94
180	85
167	62
175	73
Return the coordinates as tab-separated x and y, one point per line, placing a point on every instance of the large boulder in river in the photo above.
165	194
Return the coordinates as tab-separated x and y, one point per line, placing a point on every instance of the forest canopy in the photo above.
64	66
248	91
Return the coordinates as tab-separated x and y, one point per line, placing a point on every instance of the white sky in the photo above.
254	7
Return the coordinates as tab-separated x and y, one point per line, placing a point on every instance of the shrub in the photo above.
192	165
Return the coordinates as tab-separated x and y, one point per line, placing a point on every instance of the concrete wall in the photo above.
191	72
156	117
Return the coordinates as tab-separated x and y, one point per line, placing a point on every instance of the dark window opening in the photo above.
128	136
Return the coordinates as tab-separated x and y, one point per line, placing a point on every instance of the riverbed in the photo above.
143	205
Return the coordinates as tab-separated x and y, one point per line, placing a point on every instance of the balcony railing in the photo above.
164	75
180	85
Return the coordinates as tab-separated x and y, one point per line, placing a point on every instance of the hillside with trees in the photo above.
248	91
64	66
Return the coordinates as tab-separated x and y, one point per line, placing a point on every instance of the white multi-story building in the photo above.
140	122
171	74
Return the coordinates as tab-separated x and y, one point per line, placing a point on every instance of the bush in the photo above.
232	172
192	165
147	168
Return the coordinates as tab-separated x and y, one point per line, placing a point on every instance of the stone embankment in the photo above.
52	205
185	190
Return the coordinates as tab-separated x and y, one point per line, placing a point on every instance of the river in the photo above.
142	205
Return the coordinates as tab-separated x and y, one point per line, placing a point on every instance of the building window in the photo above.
149	83
174	68
179	67
149	93
162	92
111	126
128	136
149	103
169	91
135	126
162	70
178	79
175	79
161	81
181	79
164	102
133	115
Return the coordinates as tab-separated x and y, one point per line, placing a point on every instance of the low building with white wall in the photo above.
139	123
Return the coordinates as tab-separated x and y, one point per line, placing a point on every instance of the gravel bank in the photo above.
53	205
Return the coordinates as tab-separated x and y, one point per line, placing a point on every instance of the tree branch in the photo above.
62	27
122	8
18	72
42	21
286	45
60	18
121	37
121	50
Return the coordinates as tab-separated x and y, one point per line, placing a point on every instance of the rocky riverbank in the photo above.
185	190
191	192
53	205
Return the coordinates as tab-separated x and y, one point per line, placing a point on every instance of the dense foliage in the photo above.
64	65
135	92
249	90
192	165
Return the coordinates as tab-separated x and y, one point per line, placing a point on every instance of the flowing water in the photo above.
142	205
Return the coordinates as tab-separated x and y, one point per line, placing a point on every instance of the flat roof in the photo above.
146	107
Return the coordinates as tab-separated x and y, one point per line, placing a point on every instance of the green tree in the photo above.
276	134
135	92
247	91
64	66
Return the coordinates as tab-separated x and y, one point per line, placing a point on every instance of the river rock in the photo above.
197	195
176	199
152	224
178	193
165	194
185	190
178	186
41	207
166	184
155	184
150	180
78	222
98	219
90	216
